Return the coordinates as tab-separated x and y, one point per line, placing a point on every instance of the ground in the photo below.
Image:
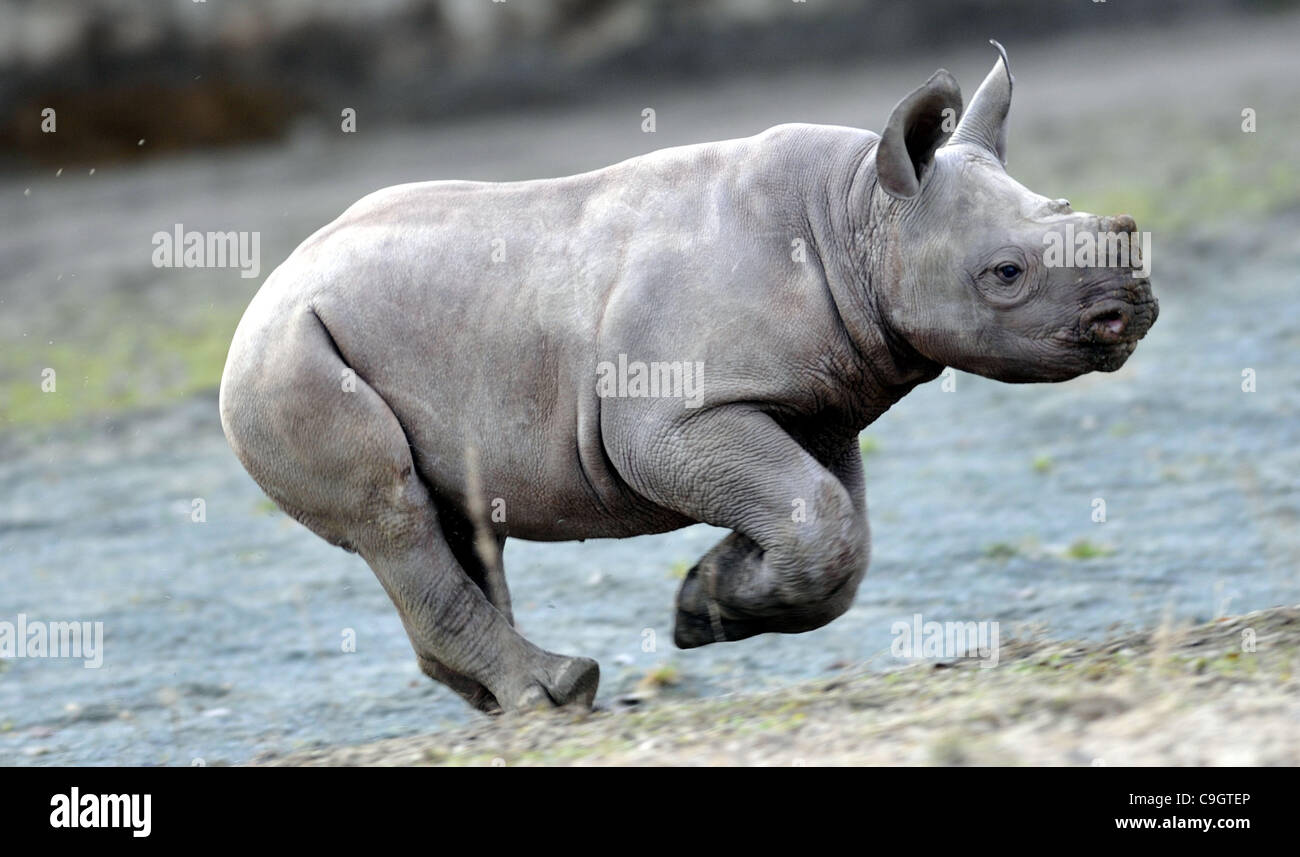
1223	693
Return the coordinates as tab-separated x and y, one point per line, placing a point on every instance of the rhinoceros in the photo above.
450	364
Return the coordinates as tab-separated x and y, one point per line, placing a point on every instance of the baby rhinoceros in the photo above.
694	335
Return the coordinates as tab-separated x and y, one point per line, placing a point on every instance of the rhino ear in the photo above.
985	123
919	124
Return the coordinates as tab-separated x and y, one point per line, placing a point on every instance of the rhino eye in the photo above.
1007	271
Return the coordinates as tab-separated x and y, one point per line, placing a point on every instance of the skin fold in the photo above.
419	380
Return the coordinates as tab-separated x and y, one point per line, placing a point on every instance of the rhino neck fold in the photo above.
849	232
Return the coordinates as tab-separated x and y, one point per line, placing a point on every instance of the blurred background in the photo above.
222	636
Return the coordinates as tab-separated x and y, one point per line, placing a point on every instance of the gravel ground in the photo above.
1195	696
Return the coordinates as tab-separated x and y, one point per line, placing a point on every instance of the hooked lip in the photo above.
1111	327
1107	323
1117	322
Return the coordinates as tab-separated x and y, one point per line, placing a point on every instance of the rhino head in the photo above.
975	283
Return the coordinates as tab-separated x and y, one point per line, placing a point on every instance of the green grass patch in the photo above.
126	366
664	675
1001	551
1085	549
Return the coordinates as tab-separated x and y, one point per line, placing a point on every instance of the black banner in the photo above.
215	806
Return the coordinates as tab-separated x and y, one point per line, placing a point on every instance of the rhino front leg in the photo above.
800	544
700	617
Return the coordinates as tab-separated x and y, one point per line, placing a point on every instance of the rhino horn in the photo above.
985	122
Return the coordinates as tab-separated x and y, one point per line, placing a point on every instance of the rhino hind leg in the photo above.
334	456
481	569
479	554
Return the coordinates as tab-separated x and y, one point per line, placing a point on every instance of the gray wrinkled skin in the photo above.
418	381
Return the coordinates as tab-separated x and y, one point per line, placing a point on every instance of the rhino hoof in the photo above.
576	682
572	682
692	630
696	626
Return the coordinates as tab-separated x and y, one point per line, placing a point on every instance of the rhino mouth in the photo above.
1111	327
